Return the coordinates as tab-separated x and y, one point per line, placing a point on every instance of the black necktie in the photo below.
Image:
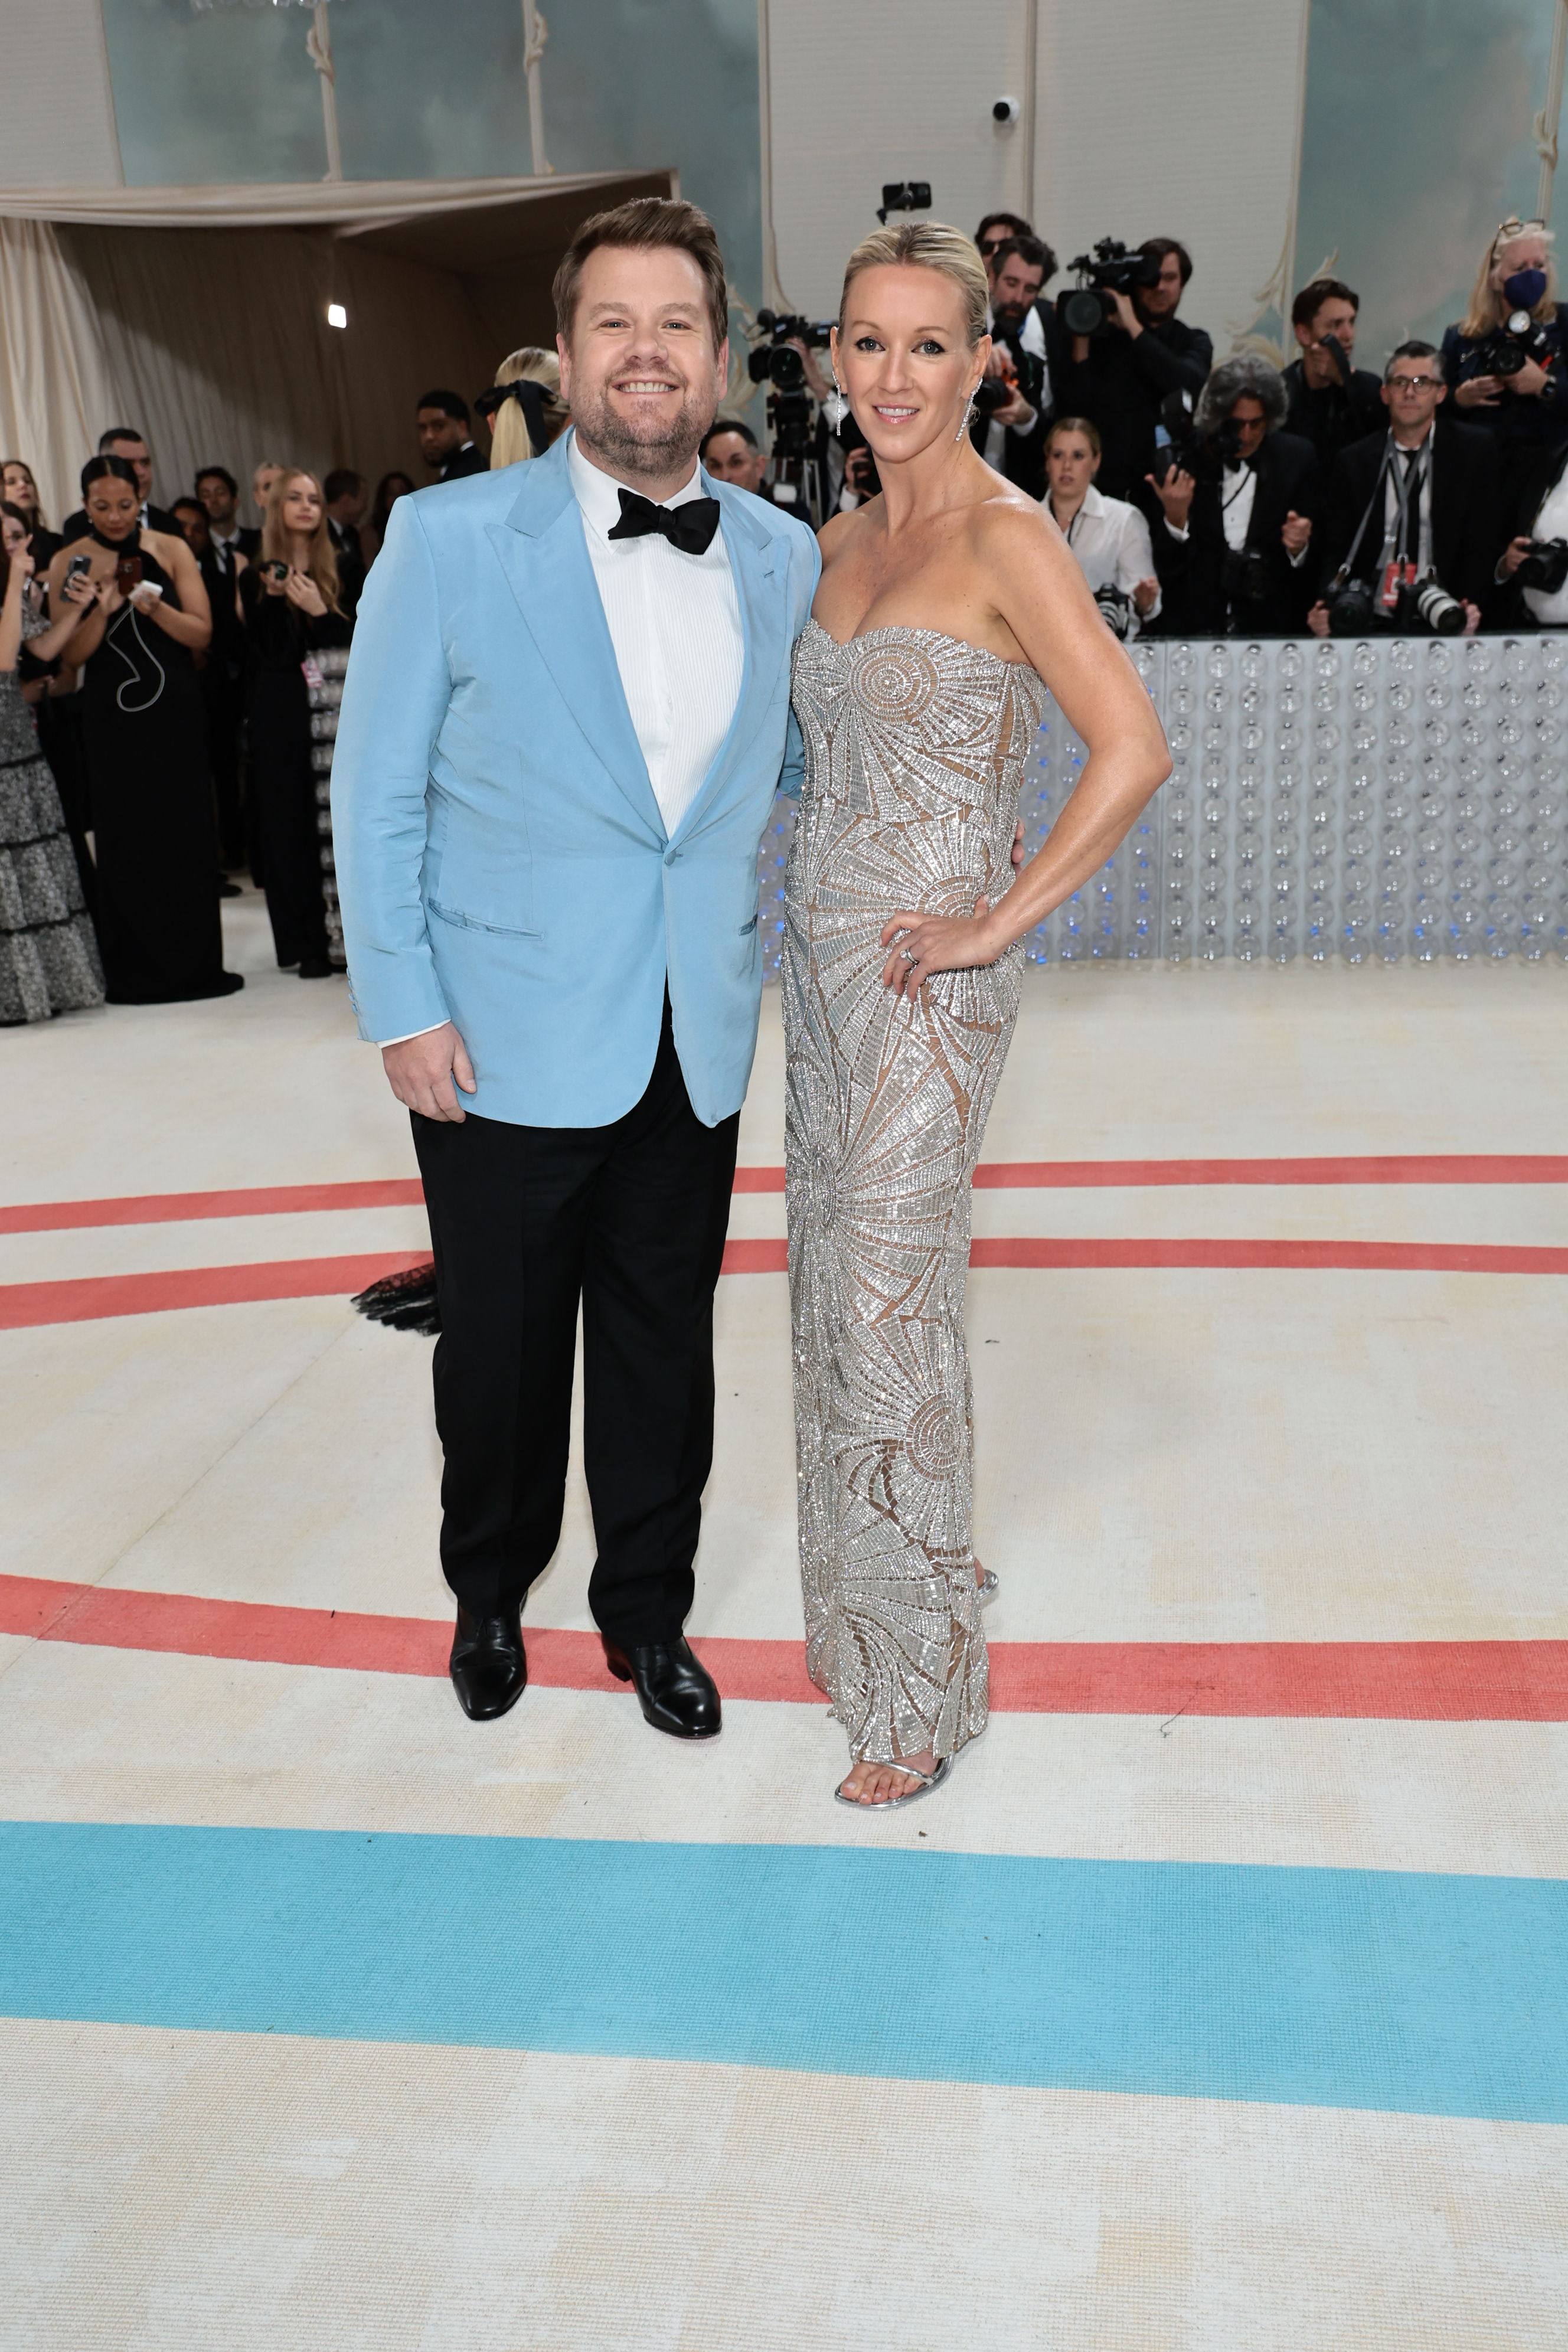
689	526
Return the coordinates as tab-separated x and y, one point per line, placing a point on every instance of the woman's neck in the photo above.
914	489
1063	510
299	548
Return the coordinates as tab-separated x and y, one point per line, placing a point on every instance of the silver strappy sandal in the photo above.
928	1781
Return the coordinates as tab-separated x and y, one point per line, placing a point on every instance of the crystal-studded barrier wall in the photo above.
1402	797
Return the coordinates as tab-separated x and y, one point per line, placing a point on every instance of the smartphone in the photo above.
128	574
275	570
78	565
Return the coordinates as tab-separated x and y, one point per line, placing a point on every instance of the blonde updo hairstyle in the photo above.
926	245
512	441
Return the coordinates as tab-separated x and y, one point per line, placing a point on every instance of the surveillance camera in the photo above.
1006	110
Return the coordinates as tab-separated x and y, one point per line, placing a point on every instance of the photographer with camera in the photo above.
1124	351
1014	392
1531	577
1506	357
1330	402
1238	495
1410	526
783	357
1109	537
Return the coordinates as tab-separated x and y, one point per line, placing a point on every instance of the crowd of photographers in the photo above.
1206	500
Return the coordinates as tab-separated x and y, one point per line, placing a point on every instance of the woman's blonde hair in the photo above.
926	245
1488	307
1089	430
278	540
513	440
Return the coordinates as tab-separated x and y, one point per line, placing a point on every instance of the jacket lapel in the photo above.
752	557
541	550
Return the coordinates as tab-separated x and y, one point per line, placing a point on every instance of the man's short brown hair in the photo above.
644	224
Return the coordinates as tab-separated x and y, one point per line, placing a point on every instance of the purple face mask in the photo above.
1524	289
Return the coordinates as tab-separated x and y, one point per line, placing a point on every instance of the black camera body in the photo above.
1356	610
1204	455
1244	576
1109	269
1116	610
1543	566
773	362
1505	350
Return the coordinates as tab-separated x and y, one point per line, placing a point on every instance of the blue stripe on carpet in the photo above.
1321	1988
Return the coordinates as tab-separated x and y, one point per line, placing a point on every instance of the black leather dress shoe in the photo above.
490	1672
676	1693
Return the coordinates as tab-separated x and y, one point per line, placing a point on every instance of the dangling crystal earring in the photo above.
968	412
835	407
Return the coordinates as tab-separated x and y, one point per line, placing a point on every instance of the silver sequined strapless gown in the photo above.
915	749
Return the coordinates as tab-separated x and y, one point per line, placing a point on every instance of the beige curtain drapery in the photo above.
200	315
56	390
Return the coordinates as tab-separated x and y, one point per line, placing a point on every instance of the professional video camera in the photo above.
771	360
1108	269
1543	566
1505	350
1356	608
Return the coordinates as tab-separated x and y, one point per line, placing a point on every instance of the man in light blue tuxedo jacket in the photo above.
565	718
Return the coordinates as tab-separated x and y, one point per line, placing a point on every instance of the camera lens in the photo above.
786	368
1083	312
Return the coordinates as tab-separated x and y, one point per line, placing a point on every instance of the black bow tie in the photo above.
689	526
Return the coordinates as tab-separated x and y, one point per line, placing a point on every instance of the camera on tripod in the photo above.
773	361
1109	269
1505	350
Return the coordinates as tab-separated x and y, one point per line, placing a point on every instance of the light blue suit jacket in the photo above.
502	860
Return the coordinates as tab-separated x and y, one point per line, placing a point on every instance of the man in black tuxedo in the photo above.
342	493
1119	377
446	440
126	441
1232	547
219	494
1331	402
1419	494
1013	436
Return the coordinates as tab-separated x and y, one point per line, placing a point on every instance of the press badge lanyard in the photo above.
1397	567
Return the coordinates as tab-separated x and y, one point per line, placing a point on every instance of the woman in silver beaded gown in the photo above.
945	605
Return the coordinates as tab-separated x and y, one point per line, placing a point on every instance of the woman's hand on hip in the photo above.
922	944
424	1073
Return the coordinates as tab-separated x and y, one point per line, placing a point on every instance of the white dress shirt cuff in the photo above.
1184	533
383	1042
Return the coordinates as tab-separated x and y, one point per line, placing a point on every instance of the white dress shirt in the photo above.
1397	458
1110	539
1552	522
675	623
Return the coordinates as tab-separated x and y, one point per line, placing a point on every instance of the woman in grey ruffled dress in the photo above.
947	607
48	953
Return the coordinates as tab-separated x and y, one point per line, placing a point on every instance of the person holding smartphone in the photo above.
294	605
144	736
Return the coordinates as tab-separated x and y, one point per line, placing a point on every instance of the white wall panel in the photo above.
1149	120
1157	120
57	117
862	93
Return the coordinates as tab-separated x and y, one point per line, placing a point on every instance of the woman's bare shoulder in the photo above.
836	534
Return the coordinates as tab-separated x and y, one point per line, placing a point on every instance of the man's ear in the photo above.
1442	394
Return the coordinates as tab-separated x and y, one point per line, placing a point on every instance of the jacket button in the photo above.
672	857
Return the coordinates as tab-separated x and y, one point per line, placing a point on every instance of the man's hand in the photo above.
1014	411
1512	556
1472	617
1479	392
1295	531
420	1072
1175	495
1145	597
1125	315
1318	619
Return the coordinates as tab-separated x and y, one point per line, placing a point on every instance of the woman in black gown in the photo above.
294	615
145	734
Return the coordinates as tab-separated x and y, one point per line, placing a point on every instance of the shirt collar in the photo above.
598	493
1094	501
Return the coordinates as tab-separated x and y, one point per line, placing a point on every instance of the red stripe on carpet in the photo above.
91	1298
1428	1681
1003	1175
23	1304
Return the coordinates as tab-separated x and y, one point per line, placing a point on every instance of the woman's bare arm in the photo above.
1039	592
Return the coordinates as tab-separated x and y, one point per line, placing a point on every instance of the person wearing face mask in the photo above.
1506	360
292	602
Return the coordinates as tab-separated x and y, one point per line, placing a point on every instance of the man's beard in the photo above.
650	452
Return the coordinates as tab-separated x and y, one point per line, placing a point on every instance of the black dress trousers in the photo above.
527	1222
